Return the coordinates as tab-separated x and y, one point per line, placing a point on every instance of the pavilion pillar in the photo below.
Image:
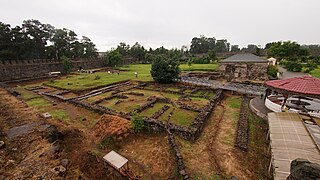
284	101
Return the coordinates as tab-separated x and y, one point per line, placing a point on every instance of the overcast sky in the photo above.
173	23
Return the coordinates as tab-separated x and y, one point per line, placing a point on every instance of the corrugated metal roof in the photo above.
244	57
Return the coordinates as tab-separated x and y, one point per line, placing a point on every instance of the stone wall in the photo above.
31	69
244	71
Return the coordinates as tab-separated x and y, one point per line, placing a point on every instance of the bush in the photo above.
273	71
310	66
164	70
294	66
66	64
137	124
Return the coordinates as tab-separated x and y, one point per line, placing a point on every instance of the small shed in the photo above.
272	61
244	67
117	161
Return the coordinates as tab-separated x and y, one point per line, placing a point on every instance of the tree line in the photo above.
35	40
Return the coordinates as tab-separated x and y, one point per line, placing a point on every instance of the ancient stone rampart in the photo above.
31	69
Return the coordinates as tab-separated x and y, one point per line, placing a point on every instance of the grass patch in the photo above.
234	102
179	117
98	97
60	114
200	67
127	105
173	89
174	97
25	94
85	81
150	111
315	72
254	123
37	102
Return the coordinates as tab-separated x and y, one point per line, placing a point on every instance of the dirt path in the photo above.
20	158
214	155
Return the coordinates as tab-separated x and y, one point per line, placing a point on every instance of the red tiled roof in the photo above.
304	85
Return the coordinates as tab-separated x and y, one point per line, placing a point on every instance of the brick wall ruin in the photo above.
244	71
25	69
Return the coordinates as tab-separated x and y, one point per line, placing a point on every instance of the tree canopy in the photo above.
164	70
35	40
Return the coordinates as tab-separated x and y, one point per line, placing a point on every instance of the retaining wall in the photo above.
27	69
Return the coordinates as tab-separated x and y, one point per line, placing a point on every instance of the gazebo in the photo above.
298	94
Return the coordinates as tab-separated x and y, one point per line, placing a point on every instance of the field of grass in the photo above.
38	102
316	72
85	81
150	111
200	67
179	117
234	102
60	114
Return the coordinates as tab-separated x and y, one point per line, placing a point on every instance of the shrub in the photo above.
137	124
66	64
273	71
164	70
294	66
310	66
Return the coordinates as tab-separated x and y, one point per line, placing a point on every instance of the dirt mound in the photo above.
112	126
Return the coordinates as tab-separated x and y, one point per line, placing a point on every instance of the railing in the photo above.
277	108
272	106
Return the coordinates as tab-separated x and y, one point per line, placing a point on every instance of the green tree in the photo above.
235	48
67	66
114	57
286	50
123	49
38	36
164	70
272	71
137	51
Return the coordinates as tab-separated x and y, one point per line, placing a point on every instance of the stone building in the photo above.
244	67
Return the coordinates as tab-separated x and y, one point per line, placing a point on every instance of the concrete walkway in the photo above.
258	107
289	74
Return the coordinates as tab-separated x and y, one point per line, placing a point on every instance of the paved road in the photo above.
288	74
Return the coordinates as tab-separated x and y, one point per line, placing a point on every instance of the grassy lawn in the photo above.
86	81
127	105
38	102
316	72
98	97
60	114
199	67
150	111
234	102
179	117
